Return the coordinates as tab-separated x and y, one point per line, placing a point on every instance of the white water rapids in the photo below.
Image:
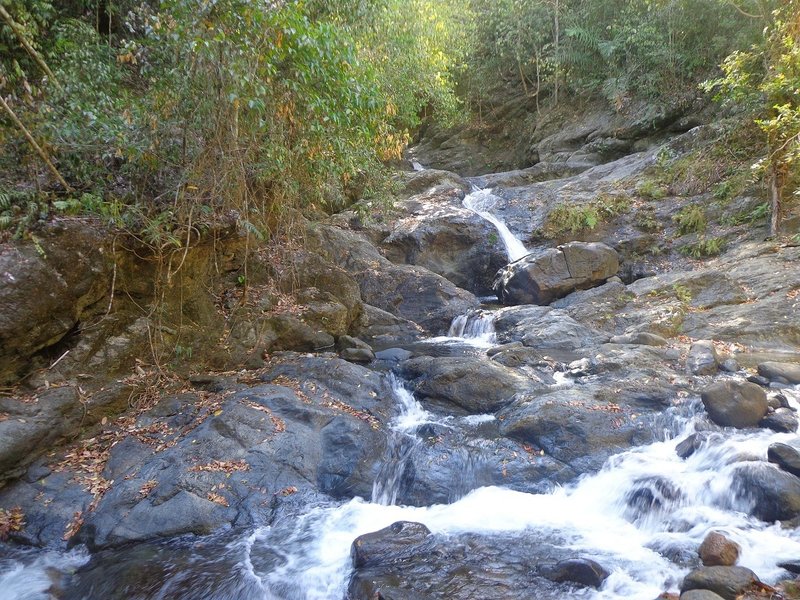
593	515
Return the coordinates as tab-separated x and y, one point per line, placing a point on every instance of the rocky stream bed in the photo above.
424	420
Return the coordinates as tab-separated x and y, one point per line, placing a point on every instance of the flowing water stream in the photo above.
307	557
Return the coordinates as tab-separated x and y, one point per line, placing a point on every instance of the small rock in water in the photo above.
780	372
652	493
729	365
582	571
726	582
718	551
702	358
691	444
357	355
391	543
735	404
758	380
786	457
782	420
793	566
393	354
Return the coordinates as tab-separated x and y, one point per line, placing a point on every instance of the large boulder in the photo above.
542	278
780	372
476	385
438	233
572	426
733	403
44	288
728	582
768	493
406	291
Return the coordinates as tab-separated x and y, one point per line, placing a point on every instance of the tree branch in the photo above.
27	45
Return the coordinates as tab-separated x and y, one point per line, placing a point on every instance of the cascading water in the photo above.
402	441
481	202
476	326
599	516
645	505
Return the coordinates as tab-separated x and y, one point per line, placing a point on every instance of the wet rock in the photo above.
786	457
652	494
540	279
772	494
758	380
729	365
475	384
782	420
703	359
727	582
572	426
581	571
545	329
462	566
780	372
393	544
718	551
641	338
691	444
793	566
421	181
735	404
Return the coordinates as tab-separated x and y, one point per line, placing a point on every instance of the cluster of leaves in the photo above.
765	80
186	109
619	48
566	218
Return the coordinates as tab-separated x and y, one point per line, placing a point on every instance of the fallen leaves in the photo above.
277	422
287	491
147	487
217	498
11	521
74	525
222	466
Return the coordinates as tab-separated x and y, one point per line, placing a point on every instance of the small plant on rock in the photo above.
690	219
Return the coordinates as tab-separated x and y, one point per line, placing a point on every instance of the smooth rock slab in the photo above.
780	372
557	272
735	404
726	582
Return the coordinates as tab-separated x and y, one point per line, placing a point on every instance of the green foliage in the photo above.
759	213
566	218
618	48
765	80
690	219
651	190
209	109
704	247
682	293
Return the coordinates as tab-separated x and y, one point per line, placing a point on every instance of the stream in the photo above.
306	555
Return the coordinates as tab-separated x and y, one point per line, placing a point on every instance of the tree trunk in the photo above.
775	190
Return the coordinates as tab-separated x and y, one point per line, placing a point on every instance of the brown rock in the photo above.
718	551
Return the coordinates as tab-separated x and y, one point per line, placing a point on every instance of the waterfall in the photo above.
475	326
481	202
402	442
